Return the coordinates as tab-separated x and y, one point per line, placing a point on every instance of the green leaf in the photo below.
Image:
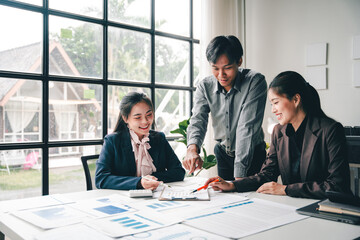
175	131
184	124
204	151
184	141
209	161
208	165
211	158
182	132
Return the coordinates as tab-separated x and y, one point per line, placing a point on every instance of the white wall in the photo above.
276	35
218	17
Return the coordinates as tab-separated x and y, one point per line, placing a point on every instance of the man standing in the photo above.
235	98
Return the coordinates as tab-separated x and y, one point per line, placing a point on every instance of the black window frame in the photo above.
45	78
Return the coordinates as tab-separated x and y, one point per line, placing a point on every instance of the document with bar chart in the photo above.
176	232
157	206
77	231
126	224
244	218
52	217
164	206
104	206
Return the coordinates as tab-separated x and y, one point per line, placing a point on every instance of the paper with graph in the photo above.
104	206
175	232
244	218
131	223
181	194
52	217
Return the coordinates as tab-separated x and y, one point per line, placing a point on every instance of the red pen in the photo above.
205	186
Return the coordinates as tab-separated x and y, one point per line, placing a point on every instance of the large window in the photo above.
65	66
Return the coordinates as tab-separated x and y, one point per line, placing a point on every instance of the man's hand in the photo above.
192	161
272	188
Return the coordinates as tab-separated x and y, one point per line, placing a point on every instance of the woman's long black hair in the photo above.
290	83
126	104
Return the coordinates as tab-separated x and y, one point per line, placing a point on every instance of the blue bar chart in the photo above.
131	223
165	205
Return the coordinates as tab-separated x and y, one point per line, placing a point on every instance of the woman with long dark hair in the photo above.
135	157
308	149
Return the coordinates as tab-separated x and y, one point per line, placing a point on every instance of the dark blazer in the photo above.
323	163
116	167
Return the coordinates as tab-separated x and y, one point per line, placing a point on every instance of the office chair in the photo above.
84	160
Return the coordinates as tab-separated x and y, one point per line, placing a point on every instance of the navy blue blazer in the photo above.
116	167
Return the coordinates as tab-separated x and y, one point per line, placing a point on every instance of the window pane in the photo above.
172	106
92	8
115	94
20	173
172	16
20	109
172	61
75	48
197	19
20	41
33	2
66	173
179	149
129	55
197	62
133	12
75	111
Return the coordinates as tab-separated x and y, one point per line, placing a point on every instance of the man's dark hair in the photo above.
228	45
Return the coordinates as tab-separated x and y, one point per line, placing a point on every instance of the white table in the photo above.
310	228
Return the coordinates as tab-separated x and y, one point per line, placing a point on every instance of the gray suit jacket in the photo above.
323	164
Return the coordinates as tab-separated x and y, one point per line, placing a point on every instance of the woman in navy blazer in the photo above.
118	167
308	149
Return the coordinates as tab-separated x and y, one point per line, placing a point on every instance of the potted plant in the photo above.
209	160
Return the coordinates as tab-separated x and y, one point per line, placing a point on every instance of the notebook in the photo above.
340	208
312	210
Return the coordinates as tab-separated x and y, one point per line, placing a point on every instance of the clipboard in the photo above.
169	194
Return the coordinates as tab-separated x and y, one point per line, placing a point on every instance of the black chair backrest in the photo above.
84	160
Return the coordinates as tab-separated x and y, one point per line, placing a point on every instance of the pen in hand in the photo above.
205	186
161	183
